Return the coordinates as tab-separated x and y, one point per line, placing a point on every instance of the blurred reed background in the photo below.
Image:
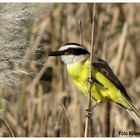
44	100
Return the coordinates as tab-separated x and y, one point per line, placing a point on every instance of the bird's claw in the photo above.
89	113
90	80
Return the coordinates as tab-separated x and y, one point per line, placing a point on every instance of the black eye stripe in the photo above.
75	51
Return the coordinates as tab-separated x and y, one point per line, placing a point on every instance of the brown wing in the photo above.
104	68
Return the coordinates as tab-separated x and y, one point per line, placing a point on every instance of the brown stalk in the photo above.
35	81
81	33
8	125
121	47
88	117
106	120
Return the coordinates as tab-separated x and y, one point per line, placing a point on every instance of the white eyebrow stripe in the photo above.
70	46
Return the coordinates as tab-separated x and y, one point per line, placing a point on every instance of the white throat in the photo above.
70	59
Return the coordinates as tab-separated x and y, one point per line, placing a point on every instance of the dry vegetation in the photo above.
46	103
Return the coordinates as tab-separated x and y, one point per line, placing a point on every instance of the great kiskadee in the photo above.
105	86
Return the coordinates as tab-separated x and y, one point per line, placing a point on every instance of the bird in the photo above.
105	84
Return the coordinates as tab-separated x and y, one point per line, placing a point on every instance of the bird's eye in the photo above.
68	51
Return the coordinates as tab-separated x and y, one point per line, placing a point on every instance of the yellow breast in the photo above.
79	73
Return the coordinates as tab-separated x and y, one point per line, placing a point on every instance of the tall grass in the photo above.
46	102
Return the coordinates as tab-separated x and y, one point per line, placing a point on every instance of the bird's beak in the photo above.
57	53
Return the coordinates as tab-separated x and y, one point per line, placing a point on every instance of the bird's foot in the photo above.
90	80
89	112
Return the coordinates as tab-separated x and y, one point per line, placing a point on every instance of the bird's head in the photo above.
71	53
